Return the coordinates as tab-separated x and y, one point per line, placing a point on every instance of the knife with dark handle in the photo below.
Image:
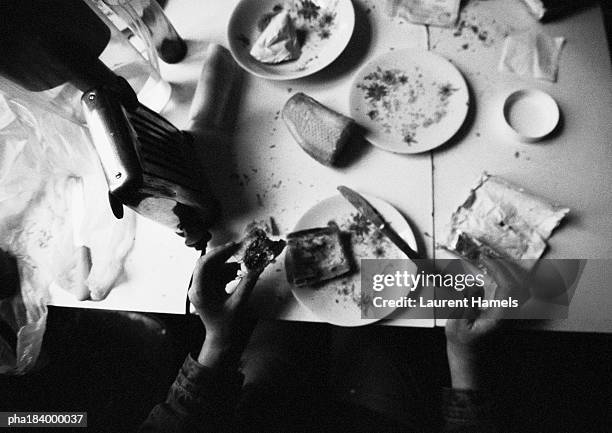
370	212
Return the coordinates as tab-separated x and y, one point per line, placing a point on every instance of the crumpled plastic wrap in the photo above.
533	54
441	13
39	155
502	220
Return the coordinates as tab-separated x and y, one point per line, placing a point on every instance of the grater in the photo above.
150	165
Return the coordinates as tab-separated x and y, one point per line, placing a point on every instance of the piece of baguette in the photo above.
320	131
213	97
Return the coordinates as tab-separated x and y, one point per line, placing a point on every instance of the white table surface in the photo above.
286	179
573	167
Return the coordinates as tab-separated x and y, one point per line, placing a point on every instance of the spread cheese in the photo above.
278	42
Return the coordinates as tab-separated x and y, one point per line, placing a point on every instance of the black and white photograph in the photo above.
353	216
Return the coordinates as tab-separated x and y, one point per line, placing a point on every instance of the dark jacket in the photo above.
205	400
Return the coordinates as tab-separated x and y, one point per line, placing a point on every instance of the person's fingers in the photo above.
206	276
228	272
492	313
485	327
511	282
471	314
244	288
214	258
467	312
220	254
451	328
213	288
507	275
496	270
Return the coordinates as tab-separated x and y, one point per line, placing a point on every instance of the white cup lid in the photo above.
531	114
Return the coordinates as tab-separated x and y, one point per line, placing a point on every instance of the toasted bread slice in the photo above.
321	132
315	255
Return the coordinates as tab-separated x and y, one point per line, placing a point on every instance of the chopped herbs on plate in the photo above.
307	9
404	102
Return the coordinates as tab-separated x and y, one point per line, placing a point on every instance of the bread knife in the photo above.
370	212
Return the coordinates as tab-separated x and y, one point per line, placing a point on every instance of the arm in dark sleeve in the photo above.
201	399
467	411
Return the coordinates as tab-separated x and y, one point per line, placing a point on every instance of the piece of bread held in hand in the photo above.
257	250
320	131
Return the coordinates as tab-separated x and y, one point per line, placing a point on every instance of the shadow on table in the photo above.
557	131
357	148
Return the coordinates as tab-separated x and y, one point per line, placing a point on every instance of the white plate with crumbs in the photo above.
531	114
338	301
324	27
410	101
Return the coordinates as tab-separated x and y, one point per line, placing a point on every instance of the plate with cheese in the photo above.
289	39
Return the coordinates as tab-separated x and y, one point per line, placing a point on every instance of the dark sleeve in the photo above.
200	400
467	411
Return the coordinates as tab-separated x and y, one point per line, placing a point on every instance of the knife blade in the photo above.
367	210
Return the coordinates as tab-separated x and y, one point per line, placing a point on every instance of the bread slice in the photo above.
257	250
320	131
315	255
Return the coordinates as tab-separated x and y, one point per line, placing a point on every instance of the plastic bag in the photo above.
441	13
40	155
532	54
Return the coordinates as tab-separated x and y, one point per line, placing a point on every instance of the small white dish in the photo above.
317	52
531	114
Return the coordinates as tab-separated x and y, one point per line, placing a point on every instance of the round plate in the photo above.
410	101
317	52
338	301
